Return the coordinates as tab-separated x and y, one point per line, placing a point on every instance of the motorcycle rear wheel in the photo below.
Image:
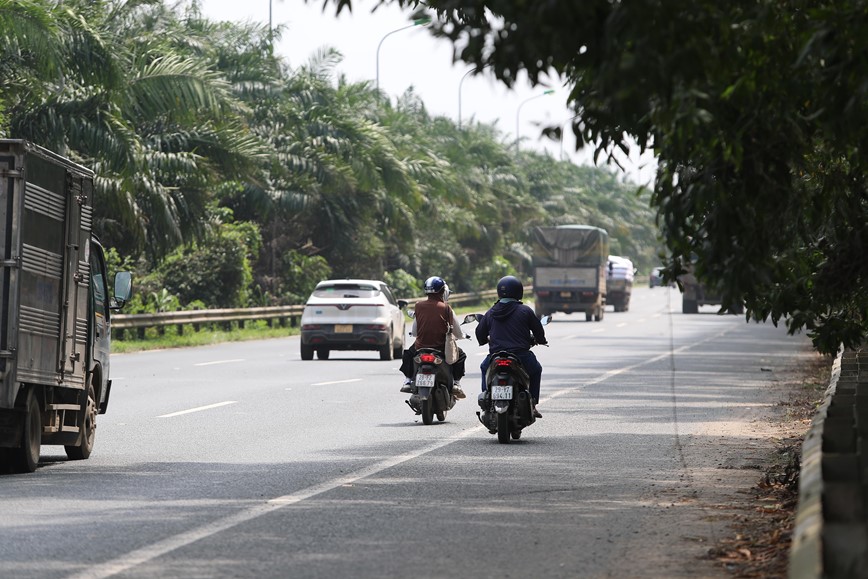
503	428
427	413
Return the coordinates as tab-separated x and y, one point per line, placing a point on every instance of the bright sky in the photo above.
413	58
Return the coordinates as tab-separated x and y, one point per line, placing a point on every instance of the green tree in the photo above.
756	111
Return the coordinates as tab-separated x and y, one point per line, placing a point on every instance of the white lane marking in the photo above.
598	330
615	372
219	362
337	382
199	409
656	316
640	320
169	544
621	325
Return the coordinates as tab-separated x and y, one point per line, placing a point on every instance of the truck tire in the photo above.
689	307
589	316
26	458
87	423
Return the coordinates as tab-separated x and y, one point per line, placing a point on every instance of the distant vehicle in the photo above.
619	282
569	270
697	294
655	278
352	314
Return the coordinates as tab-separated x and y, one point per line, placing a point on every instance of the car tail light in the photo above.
311	327
377	327
544	293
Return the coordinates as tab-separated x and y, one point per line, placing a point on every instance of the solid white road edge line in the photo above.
199	409
145	554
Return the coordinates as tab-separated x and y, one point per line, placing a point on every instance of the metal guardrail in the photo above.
241	315
830	537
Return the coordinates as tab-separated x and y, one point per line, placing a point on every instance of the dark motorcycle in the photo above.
507	405
432	386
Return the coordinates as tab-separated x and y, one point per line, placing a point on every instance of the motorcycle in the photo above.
507	404
432	384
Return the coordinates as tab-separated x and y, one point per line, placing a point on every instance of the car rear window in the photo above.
346	290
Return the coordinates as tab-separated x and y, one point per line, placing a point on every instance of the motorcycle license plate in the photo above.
501	392
425	380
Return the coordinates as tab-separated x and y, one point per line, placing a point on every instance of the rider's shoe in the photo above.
408	386
457	391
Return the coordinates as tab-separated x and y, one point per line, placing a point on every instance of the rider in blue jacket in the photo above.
512	326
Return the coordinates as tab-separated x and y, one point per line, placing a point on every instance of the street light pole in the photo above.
417	22
460	83
518	112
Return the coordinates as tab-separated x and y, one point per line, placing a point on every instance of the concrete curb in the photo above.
830	537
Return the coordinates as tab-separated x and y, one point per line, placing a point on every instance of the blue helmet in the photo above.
510	287
434	285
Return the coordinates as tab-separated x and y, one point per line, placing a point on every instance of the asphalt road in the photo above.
240	460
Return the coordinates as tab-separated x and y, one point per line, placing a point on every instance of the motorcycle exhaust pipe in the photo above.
525	407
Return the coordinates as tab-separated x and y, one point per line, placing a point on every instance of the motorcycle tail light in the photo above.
503	363
427	358
502	382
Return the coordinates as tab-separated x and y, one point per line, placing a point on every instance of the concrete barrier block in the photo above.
839	435
845	550
842	502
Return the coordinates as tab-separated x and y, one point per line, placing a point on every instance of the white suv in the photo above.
352	314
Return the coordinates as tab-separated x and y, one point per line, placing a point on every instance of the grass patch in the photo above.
153	340
253	330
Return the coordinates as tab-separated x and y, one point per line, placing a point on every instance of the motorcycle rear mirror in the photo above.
411	313
470	318
545	320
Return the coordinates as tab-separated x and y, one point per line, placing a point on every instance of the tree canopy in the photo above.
228	176
756	111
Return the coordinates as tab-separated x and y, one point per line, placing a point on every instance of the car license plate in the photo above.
566	294
425	380
343	328
501	392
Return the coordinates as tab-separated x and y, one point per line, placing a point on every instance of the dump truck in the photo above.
55	309
619	282
569	270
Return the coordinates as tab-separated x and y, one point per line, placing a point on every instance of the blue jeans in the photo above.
531	366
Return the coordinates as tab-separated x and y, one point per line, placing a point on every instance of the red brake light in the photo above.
500	363
427	358
543	293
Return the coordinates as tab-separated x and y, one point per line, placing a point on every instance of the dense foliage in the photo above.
756	110
231	178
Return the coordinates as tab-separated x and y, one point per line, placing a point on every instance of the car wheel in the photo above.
322	353
306	352
386	349
689	307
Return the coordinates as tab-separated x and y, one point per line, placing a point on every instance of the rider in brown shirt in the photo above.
433	316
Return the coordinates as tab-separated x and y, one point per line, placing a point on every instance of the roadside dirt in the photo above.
761	517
